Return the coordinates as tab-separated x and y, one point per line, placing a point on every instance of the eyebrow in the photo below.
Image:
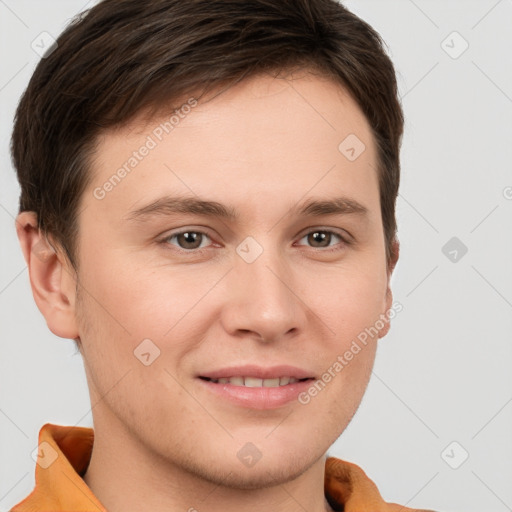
169	205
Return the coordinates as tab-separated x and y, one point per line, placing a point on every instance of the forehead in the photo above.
268	138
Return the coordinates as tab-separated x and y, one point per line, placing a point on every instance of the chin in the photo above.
260	476
276	469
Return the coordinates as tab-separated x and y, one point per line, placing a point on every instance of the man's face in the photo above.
271	287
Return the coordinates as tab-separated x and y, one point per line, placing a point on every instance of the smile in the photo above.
254	382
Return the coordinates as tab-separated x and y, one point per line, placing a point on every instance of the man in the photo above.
207	209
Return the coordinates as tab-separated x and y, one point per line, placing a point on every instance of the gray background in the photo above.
442	375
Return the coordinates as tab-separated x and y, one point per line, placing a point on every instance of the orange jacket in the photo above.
64	454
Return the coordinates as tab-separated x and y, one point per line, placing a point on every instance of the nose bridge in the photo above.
265	301
262	262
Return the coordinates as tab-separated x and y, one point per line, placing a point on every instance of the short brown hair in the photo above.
124	56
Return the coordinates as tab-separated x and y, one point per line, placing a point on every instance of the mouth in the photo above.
255	382
257	387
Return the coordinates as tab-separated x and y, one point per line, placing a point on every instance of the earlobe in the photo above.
53	283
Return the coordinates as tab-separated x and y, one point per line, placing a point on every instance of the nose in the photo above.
264	301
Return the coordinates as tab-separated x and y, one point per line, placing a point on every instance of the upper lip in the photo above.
259	372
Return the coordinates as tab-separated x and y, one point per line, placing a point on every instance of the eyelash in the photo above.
344	241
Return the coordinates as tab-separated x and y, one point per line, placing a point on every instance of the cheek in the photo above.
351	310
138	301
348	301
134	309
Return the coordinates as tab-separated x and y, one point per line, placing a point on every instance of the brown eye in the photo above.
319	237
187	240
322	239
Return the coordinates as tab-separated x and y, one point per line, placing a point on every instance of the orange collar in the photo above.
65	452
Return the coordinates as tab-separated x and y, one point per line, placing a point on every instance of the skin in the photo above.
163	441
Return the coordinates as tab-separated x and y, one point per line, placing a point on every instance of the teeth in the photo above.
253	382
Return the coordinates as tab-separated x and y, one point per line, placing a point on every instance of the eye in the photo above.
321	238
191	241
187	240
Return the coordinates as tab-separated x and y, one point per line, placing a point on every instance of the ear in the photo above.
52	277
394	254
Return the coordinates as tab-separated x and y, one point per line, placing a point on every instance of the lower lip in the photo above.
260	397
